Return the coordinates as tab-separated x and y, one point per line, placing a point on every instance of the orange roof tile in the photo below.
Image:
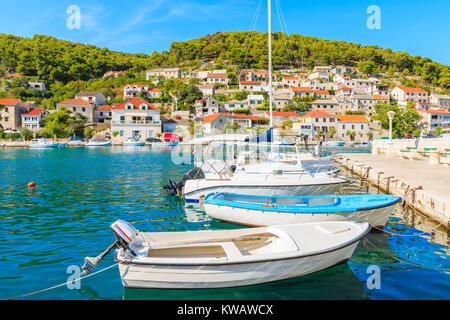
77	101
9	102
299	89
282	114
317	113
352	118
408	89
136	102
33	112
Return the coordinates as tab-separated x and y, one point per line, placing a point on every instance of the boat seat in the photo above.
230	249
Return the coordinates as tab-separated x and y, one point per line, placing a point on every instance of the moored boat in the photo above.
135	142
333	143
252	210
95	143
229	258
43	144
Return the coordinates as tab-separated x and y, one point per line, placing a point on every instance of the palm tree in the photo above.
319	134
332	132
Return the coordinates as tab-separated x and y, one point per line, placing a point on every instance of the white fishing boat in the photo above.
229	258
96	143
134	142
195	185
333	143
374	209
43	144
76	142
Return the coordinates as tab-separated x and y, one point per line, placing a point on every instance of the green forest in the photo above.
50	59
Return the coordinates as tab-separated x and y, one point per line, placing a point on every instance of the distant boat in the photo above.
165	144
169	139
135	142
76	141
228	258
43	144
95	143
333	143
252	210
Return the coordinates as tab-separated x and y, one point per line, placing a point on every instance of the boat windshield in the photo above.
281	201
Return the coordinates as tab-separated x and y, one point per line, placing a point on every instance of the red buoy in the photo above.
31	185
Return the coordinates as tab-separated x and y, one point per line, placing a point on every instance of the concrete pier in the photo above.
423	186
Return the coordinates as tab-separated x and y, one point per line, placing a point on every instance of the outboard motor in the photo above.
125	234
175	188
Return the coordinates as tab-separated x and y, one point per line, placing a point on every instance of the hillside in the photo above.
58	60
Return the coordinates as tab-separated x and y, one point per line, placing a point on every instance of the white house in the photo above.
357	123
217	78
440	100
433	118
102	113
315	120
168	73
80	106
279	117
207	89
134	90
253	86
233	105
94	97
302	91
32	119
405	94
290	82
255	100
135	118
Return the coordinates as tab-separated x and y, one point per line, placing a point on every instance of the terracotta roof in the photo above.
408	89
345	88
352	118
87	94
154	90
210	118
282	114
136	102
217	75
442	111
9	102
250	82
379	97
290	78
104	108
321	92
301	89
317	113
77	101
33	112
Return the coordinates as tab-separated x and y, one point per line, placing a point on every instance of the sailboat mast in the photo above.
270	59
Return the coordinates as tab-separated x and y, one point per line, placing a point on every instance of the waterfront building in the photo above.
315	120
357	123
279	117
432	118
135	118
102	113
220	120
32	120
330	106
80	106
10	113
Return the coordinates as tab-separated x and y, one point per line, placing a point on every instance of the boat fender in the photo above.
200	199
31	184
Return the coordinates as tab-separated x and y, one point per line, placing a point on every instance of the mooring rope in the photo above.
399	234
406	262
63	284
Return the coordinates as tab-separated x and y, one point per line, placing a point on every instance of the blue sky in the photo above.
417	27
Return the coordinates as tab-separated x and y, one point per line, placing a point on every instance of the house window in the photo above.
74	108
83	109
121	133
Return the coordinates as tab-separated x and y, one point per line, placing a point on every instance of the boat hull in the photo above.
375	217
98	144
140	144
47	146
229	275
265	190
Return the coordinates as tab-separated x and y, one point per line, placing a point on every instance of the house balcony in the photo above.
133	122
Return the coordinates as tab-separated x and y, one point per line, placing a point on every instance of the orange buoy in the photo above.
31	185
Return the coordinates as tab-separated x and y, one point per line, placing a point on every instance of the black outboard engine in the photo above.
176	188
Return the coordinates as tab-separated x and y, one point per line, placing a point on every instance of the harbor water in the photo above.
80	192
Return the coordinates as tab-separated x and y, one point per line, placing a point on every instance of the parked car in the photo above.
153	140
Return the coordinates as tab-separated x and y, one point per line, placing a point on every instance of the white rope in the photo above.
63	284
252	28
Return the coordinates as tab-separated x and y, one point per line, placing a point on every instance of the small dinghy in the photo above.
252	210
229	258
96	143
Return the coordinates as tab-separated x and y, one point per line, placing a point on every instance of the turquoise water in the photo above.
81	191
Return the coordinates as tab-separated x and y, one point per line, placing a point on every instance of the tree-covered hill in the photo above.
51	59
